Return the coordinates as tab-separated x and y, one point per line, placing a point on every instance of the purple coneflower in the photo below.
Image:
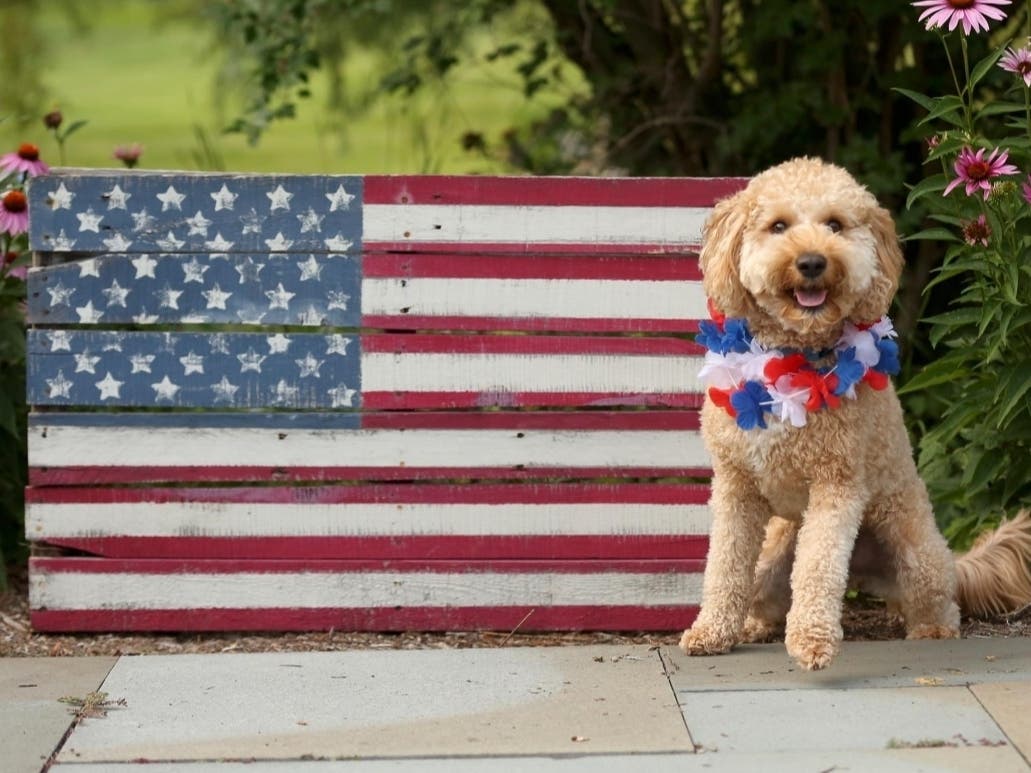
25	159
1026	188
973	14
977	172
129	154
14	213
1019	61
977	231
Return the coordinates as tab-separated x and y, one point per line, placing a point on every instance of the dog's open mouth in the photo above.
810	299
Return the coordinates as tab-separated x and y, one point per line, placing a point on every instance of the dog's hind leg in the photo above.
924	566
740	514
771	592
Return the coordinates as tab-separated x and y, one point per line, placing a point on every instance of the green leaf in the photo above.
981	68
1013	385
996	108
932	184
943	108
947	369
933	234
955	317
926	102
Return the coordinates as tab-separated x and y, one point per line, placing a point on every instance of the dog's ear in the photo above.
877	300
720	257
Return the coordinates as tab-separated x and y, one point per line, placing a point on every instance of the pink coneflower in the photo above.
973	14
129	154
977	172
25	159
1018	61
977	231
14	213
1026	188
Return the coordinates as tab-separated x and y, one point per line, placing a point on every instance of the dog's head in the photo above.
800	250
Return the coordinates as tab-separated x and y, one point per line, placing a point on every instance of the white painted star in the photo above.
310	269
224	390
251	360
84	363
165	389
339	199
284	393
60	341
198	224
194	271
192	363
88	221
169	243
309	366
279	198
168	342
224	198
278	343
144	266
251	315
60	295
143	318
89	268
141	362
117	243
338	299
337	344
142	220
279	244
167	297
116	294
112	341
61	242
61	198
218	244
109	387
216	298
116	198
59	386
249	270
171	199
87	314
311	221
218	343
279	298
310	317
338	243
252	222
341	396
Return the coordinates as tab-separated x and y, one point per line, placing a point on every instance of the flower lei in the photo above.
748	380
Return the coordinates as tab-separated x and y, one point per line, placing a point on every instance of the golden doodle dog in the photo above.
813	469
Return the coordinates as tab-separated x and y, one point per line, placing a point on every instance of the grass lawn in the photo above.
138	75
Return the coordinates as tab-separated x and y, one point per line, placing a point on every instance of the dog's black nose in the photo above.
811	264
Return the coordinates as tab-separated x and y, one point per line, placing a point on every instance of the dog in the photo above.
813	472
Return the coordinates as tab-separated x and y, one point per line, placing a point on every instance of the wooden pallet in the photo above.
368	403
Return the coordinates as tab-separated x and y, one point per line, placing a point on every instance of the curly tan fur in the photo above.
794	507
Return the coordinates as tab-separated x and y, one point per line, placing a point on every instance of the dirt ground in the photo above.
863	620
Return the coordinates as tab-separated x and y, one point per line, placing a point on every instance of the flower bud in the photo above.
53	119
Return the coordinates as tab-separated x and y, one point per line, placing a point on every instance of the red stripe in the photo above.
544	191
526	344
88	475
488	494
650	268
565	618
537	420
533	248
432	400
565	324
467	547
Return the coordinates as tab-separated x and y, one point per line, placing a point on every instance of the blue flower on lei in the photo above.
750	402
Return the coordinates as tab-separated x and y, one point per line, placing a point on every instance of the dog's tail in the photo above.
994	576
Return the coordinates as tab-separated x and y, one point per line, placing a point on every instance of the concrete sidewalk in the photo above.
884	706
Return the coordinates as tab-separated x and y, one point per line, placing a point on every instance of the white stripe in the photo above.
573	298
533	224
231	519
500	374
314	590
57	446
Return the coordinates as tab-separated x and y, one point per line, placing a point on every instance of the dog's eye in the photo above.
835	225
778	227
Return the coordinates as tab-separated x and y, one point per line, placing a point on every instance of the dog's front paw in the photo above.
758	630
706	640
813	651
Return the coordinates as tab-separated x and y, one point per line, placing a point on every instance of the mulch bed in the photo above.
864	620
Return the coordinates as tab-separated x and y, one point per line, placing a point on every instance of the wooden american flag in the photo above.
366	403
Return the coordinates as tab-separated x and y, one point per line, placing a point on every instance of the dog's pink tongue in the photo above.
810	298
